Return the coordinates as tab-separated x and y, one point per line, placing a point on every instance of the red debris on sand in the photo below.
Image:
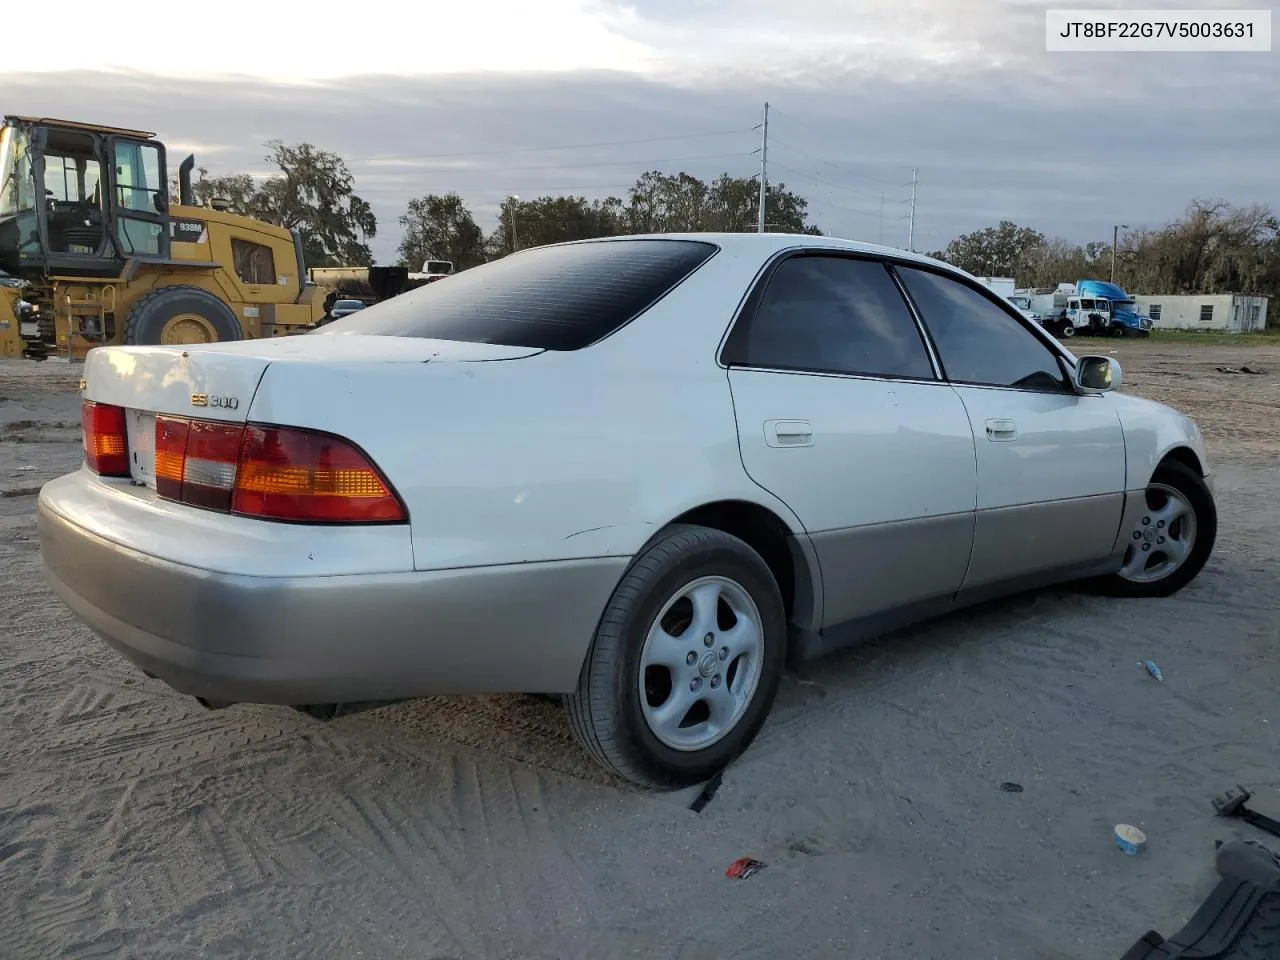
743	867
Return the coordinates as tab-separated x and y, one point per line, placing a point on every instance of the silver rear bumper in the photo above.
325	639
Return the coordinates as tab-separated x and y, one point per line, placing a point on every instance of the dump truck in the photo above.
93	251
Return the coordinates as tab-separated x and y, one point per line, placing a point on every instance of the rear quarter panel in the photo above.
553	457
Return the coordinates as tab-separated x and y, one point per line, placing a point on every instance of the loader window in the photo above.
138	176
19	235
139	188
253	262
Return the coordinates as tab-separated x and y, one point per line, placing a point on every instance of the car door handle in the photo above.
1001	430
788	433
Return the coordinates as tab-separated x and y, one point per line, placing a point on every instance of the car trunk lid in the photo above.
218	381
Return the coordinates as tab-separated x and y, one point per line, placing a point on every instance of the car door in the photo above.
1051	461
841	414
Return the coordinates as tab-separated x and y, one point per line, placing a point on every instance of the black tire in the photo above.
605	712
154	309
1066	330
1192	486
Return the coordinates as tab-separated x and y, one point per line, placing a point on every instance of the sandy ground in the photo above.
135	824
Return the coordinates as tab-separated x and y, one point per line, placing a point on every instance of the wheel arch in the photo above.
787	552
1184	455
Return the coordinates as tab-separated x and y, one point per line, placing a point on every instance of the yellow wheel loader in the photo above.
93	251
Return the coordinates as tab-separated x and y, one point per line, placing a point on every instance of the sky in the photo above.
497	97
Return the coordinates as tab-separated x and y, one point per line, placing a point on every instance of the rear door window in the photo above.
829	314
554	298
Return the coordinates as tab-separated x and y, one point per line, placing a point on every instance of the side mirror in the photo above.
1098	374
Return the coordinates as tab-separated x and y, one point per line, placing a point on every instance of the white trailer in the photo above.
1005	286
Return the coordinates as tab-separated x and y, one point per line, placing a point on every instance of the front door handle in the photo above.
1001	430
788	433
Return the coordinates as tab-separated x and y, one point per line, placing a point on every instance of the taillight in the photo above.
289	474
106	441
275	473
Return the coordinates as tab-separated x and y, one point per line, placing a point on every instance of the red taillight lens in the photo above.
106	439
288	474
276	473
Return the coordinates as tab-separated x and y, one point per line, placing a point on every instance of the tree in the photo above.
440	227
315	194
549	219
734	207
678	203
1213	248
993	251
238	189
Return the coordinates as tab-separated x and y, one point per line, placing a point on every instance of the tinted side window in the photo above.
831	314
977	341
556	298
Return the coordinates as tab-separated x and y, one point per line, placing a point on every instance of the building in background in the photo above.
1234	312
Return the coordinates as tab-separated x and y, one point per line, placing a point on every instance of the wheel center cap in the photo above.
1149	534
707	665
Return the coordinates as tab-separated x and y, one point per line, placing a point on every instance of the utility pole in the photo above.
513	200
911	223
881	240
764	165
1115	238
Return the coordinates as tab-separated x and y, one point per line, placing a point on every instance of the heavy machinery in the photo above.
369	285
92	251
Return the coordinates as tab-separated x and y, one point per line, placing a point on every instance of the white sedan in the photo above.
641	472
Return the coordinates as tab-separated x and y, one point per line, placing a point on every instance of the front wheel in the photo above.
1066	329
1170	540
686	661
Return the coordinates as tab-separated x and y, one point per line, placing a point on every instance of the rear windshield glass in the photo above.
555	298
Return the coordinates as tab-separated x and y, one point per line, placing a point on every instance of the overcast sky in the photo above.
497	97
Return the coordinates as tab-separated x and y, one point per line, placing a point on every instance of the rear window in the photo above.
554	298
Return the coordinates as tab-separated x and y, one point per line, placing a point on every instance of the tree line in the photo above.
1213	248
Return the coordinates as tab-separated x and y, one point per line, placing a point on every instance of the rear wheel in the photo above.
1171	539
180	314
1066	329
685	664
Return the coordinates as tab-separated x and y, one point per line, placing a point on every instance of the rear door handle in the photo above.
788	433
1001	430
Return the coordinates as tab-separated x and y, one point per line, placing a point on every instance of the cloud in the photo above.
861	94
327	40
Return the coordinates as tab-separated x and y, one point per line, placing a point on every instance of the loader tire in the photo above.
180	314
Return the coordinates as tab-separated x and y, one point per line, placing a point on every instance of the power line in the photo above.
830	183
833	163
830	203
569	146
861	193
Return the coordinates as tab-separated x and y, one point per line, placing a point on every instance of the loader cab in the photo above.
79	199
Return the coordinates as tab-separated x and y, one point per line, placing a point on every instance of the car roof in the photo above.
766	244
